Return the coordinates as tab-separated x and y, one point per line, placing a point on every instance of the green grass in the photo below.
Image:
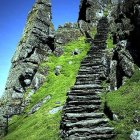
125	102
109	42
41	125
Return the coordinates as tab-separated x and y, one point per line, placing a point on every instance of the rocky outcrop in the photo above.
121	65
64	34
88	14
35	45
126	26
82	116
125	29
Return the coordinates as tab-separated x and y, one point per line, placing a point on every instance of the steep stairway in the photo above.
83	118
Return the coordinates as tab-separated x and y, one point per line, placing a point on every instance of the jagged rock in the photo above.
115	117
36	43
64	34
59	50
113	78
75	52
38	80
122	65
57	70
39	104
55	110
135	135
32	49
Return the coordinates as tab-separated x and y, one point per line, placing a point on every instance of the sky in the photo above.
13	15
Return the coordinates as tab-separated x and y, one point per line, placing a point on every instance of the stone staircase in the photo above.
83	118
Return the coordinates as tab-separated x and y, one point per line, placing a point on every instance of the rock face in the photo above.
82	116
135	135
87	14
33	48
125	29
126	26
64	34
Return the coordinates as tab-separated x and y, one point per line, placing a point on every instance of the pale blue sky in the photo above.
13	16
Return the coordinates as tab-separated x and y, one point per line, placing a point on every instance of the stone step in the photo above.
87	131
91	137
87	82
86	123
87	86
84	93
80	108
96	55
90	72
90	76
92	57
96	77
85	98
82	116
90	102
93	67
91	64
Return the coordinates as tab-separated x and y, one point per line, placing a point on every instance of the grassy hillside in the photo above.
42	125
125	103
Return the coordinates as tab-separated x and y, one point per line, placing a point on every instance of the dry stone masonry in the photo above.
82	118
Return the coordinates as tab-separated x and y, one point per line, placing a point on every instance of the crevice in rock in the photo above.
108	111
30	53
119	76
119	71
33	62
82	13
21	80
50	43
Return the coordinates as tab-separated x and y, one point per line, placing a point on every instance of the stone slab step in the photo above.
92	67
87	75
85	98
86	123
91	137
78	82
90	72
80	108
87	86
87	131
90	102
83	116
97	62
90	91
92	57
91	64
85	92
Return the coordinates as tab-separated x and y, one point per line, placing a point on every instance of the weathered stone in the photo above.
55	110
39	104
64	34
57	70
113	78
135	135
33	48
38	80
75	52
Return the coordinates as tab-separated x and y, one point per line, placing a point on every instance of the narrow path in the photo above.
82	117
